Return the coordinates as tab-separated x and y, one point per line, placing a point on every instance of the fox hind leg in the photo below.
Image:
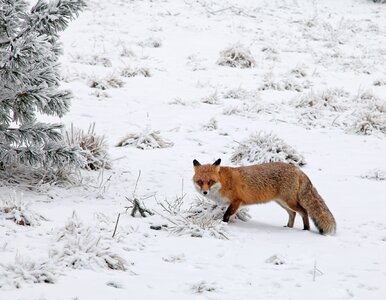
291	215
304	214
299	209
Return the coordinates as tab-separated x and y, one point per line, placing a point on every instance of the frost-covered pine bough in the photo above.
29	83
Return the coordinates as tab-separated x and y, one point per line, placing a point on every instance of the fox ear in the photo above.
196	163
217	162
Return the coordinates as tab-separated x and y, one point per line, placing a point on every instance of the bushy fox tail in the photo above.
314	204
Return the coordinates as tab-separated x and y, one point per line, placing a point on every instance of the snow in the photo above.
300	48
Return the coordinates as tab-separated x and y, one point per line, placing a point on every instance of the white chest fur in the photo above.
214	194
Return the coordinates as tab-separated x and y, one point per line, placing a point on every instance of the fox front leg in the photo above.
232	208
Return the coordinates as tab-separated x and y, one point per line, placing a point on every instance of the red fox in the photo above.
281	182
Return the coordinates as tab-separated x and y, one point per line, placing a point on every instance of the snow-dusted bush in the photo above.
270	53
133	72
100	94
211	125
369	122
25	271
106	82
249	107
151	42
323	100
286	84
197	227
196	63
202	219
80	246
322	108
380	82
299	71
236	56
379	1
39	178
178	101
92	60
94	147
148	139
203	286
238	93
17	210
366	97
265	147
203	209
375	174
126	51
211	99
276	260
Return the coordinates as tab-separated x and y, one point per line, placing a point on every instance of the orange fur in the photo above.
281	182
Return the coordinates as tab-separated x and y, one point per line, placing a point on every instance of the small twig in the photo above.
316	270
213	12
137	207
136	183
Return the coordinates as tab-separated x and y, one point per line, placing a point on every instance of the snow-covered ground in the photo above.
318	83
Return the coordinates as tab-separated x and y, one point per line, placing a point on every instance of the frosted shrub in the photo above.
299	72
211	99
133	72
94	147
366	97
106	82
202	219
236	56
148	139
39	178
196	227
375	174
151	42
14	208
320	108
241	94
79	246
380	82
211	125
14	275
369	122
203	209
263	148
92	60
324	100
204	287
286	84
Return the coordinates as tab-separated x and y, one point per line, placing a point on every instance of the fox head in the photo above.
206	178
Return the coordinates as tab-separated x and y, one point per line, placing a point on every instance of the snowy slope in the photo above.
331	51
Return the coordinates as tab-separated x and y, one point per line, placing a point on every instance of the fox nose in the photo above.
205	192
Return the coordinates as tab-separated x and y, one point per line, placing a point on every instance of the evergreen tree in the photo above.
29	83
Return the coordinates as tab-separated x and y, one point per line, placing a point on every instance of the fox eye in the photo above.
200	182
211	182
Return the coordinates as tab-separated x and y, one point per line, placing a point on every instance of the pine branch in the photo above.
29	81
51	17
